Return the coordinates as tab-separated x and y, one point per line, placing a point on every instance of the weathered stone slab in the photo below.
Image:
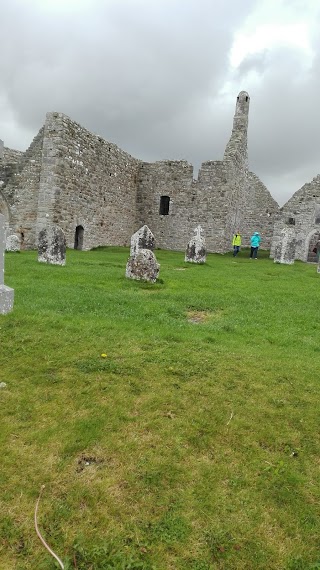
6	299
285	249
142	239
13	243
6	293
52	246
143	266
196	249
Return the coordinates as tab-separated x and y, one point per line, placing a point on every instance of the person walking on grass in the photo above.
236	242
254	242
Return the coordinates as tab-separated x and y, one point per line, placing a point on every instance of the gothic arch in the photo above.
311	240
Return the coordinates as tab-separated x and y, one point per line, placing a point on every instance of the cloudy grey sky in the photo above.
160	77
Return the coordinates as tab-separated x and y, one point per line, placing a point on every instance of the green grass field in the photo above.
194	444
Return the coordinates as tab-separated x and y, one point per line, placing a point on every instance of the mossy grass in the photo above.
193	443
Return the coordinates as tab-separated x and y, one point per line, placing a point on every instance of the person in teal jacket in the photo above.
254	242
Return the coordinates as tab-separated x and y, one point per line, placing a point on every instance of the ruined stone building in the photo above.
302	214
100	195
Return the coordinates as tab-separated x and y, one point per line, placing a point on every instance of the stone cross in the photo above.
196	249
286	248
198	230
6	293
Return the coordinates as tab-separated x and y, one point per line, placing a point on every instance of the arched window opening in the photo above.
164	205
78	237
312	249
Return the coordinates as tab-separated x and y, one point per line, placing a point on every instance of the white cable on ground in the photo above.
38	532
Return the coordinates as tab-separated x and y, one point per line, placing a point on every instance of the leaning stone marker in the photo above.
196	249
142	239
6	293
143	266
52	246
12	243
286	248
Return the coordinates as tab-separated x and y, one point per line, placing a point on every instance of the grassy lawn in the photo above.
194	444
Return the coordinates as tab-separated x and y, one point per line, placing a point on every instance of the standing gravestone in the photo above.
142	239
142	264
286	247
196	249
12	243
52	246
6	293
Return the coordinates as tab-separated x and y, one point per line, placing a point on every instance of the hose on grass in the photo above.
38	532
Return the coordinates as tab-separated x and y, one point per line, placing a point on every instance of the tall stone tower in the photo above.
236	162
237	147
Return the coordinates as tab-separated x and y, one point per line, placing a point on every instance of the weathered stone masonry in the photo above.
301	213
100	195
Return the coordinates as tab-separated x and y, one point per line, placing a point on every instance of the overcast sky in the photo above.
160	77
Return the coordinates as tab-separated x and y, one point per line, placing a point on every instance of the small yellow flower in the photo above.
103	355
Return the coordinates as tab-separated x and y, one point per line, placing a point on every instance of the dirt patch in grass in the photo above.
87	460
198	317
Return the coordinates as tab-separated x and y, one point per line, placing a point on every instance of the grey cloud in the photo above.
256	62
284	133
149	76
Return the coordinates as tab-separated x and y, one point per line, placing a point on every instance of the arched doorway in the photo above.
78	237
312	255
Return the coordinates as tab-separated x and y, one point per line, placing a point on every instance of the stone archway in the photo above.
312	256
78	237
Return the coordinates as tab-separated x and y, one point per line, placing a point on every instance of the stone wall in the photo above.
214	195
260	212
173	179
76	180
9	160
302	212
86	181
22	192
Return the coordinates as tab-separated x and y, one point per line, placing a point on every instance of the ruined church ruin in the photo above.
100	195
301	216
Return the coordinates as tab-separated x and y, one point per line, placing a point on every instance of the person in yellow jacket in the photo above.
236	242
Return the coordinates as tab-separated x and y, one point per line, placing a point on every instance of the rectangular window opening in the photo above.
164	205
